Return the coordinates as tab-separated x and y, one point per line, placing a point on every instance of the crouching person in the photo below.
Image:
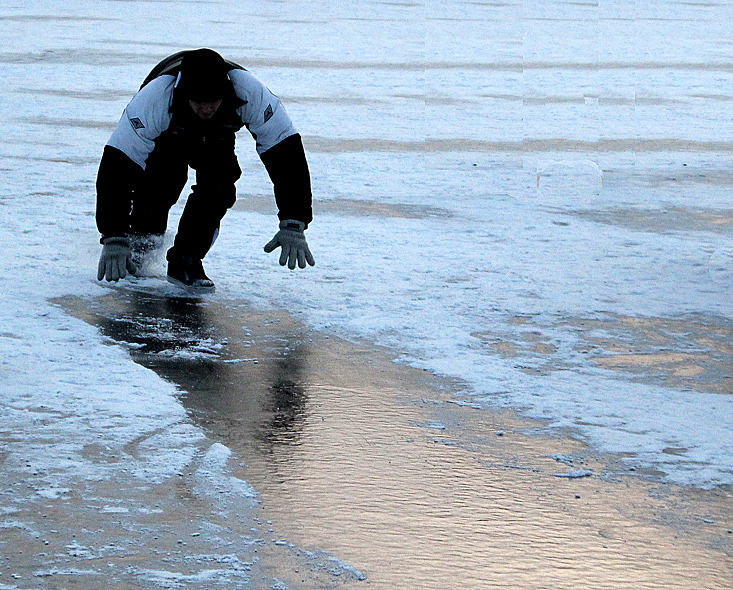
187	113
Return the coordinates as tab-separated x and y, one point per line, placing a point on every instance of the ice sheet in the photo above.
457	113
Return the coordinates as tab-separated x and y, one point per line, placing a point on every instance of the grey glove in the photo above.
116	259
291	238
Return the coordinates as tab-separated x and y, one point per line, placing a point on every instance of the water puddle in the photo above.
350	207
691	352
664	221
365	459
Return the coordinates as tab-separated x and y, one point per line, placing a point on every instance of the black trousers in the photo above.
164	178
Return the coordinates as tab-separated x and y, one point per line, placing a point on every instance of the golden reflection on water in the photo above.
411	509
351	455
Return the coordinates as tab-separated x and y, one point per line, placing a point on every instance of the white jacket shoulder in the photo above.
145	118
262	113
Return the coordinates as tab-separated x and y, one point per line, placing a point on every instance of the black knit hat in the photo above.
204	76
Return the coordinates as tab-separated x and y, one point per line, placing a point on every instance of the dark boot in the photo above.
188	273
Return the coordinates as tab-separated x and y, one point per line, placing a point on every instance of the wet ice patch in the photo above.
113	510
81	551
168	579
432	425
213	477
320	560
16	524
191	353
52	493
575	473
339	567
720	267
223	569
165	453
63	572
574	182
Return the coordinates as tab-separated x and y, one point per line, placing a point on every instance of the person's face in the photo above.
206	109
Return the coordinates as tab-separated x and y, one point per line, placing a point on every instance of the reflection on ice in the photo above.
425	126
349	457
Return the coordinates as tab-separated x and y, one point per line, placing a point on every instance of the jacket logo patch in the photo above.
137	123
268	113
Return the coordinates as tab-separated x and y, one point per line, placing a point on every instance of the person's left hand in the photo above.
291	238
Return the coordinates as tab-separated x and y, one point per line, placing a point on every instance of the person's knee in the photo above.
229	196
219	196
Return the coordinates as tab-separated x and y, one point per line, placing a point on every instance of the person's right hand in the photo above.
116	259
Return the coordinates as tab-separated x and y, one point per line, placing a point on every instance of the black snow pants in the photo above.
165	176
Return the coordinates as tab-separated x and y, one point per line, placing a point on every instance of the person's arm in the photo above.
123	161
279	145
116	180
288	169
121	169
281	150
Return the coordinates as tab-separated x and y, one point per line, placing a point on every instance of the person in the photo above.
187	113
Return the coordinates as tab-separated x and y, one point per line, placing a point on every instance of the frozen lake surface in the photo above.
531	200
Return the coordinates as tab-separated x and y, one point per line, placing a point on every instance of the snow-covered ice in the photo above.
486	176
